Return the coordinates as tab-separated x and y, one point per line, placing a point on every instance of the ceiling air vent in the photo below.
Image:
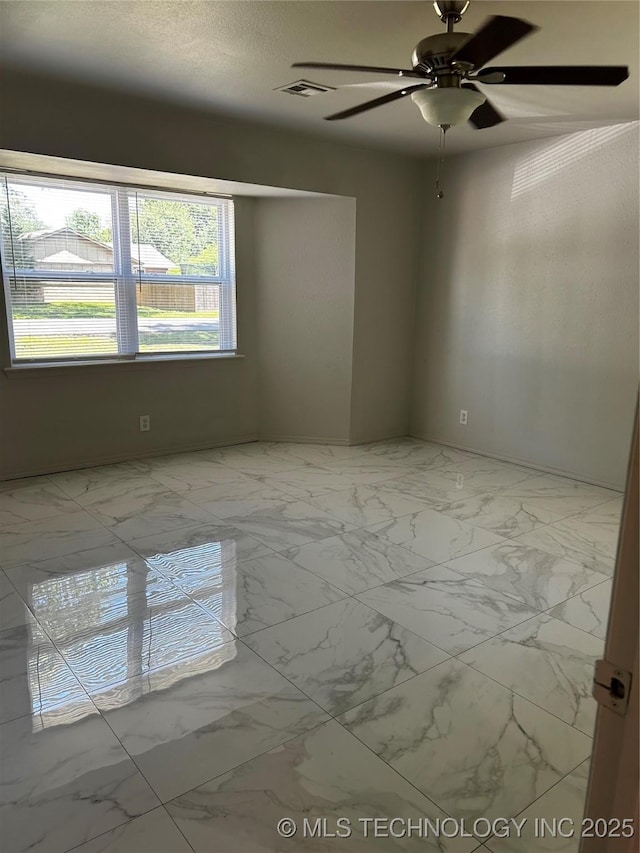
304	88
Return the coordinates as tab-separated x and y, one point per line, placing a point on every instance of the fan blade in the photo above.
399	72
486	115
377	102
555	75
495	35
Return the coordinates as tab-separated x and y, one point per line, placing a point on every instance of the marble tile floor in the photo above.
195	646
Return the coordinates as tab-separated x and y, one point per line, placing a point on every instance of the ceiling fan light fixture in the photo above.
448	106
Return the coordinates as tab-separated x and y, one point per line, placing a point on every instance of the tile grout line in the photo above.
449	657
138	770
518	541
564	776
174	822
334	718
543	794
511	689
126	823
579	595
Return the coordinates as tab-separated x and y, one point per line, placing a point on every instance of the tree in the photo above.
206	261
18	217
87	222
18	210
180	231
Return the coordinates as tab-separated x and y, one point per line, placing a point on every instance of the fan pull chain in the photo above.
441	146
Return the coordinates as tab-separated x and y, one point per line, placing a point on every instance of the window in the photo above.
94	271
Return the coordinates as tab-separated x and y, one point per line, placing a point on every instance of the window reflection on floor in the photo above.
116	623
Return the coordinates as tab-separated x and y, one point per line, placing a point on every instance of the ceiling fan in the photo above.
446	67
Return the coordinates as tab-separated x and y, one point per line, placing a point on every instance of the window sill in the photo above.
34	369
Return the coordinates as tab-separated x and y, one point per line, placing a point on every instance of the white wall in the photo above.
305	280
528	303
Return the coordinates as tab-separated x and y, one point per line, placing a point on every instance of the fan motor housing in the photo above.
434	52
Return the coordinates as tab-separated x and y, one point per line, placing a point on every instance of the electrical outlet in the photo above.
464	416
460	481
145	423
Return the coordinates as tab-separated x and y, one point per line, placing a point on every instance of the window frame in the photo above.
123	277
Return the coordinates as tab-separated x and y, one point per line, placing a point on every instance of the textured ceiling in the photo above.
230	56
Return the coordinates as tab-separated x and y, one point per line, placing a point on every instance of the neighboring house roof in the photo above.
143	253
149	256
35	235
65	257
49	232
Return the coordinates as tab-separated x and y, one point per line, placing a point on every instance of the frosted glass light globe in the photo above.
449	106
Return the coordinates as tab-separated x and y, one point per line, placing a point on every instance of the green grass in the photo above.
96	310
79	345
37	346
187	340
63	310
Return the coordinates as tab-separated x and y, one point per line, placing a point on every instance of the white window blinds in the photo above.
96	271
